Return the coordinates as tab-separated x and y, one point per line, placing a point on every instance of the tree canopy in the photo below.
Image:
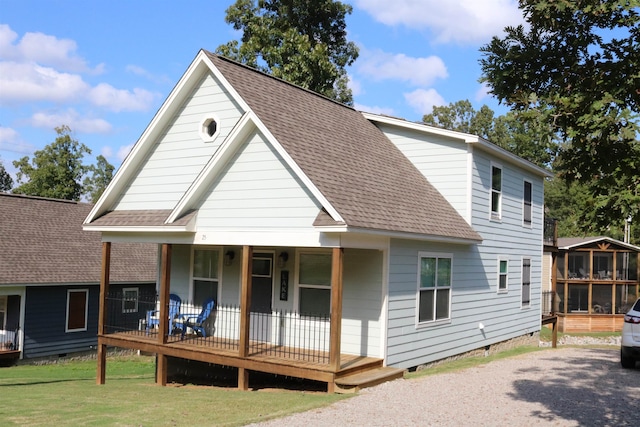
518	132
101	175
577	67
301	41
57	170
6	182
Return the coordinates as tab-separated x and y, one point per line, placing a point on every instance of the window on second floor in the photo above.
527	206
496	192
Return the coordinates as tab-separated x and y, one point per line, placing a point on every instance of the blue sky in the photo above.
104	67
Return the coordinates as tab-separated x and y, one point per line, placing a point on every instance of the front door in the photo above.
261	296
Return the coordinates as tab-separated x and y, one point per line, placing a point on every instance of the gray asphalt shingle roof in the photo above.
355	166
42	242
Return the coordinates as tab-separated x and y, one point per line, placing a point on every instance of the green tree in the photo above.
6	182
301	41
101	175
577	65
521	133
56	170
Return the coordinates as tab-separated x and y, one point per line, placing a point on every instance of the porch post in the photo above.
245	312
336	308
554	298
163	326
102	316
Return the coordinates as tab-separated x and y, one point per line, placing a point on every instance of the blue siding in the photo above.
475	298
45	316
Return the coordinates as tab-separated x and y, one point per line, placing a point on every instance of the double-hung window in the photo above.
130	300
496	192
526	207
314	284
526	282
77	309
434	287
503	272
205	275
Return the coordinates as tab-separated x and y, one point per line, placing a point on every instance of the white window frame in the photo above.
522	282
299	286
86	310
192	286
504	290
496	215
524	204
204	123
134	299
435	321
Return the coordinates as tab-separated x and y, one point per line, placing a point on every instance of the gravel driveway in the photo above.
563	387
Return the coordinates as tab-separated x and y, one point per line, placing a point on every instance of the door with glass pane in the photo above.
261	296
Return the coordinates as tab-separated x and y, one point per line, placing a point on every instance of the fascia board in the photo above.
397	234
136	156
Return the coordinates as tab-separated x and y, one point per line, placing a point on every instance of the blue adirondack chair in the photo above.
153	316
197	322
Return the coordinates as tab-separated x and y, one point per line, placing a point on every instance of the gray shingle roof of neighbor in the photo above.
42	242
353	164
569	242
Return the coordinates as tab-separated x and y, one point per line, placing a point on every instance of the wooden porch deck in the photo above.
355	372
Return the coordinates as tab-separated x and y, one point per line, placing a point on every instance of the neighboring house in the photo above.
597	282
322	232
50	272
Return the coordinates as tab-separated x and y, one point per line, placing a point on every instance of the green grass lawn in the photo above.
66	394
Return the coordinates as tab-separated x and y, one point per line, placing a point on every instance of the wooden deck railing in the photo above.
278	334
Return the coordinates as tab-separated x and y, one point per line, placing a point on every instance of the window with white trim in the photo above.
205	275
526	282
434	287
209	128
130	300
314	284
503	274
496	192
77	309
527	204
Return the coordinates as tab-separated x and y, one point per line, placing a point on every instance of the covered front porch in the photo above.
245	336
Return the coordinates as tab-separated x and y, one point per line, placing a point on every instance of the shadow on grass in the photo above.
590	389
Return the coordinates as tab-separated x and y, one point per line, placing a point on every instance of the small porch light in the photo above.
228	257
282	259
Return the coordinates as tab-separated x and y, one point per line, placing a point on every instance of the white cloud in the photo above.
423	100
28	82
374	109
44	50
482	92
465	21
71	118
123	151
139	71
379	65
10	140
106	96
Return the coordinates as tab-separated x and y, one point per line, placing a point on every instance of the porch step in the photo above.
355	382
